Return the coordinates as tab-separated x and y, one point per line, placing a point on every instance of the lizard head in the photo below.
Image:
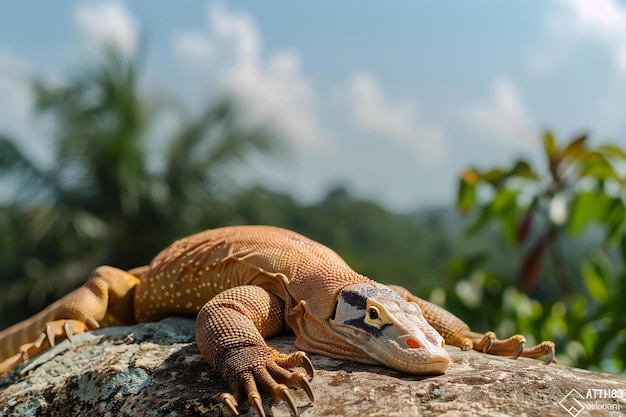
390	330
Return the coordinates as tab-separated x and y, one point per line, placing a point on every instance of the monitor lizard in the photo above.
247	283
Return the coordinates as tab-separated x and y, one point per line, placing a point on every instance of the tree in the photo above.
583	189
112	196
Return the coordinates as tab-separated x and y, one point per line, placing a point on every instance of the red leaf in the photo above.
530	268
524	227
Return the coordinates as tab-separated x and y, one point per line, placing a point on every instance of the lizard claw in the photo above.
50	334
519	349
39	341
308	366
297	359
92	323
304	384
285	395
255	401
230	403
550	356
67	327
488	342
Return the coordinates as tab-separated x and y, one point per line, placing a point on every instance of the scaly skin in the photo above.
247	283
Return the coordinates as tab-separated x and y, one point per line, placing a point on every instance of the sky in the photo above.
392	101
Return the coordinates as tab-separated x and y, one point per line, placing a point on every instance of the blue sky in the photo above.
390	100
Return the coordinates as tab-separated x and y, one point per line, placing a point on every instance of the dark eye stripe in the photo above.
358	298
359	323
355	299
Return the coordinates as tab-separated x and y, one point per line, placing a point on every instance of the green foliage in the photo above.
582	187
108	197
581	191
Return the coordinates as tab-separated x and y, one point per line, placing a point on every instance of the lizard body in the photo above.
247	283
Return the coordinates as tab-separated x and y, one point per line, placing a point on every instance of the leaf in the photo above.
503	199
504	205
550	148
587	208
495	176
549	144
509	215
612	151
596	280
530	267
470	176
616	214
523	169
467	191
484	216
524	227
576	149
595	165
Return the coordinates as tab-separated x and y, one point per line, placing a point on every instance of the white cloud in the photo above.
107	22
373	112
505	118
271	87
577	21
17	101
604	18
192	47
16	98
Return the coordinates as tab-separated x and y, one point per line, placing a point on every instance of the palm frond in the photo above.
214	139
29	180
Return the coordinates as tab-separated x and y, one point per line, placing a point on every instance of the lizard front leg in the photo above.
230	332
104	300
457	333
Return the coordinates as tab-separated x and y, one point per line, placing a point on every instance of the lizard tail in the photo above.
106	299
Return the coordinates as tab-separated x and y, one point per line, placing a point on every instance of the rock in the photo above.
155	369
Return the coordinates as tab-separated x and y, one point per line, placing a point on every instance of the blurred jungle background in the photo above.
424	158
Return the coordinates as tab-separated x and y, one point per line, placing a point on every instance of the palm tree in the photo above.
110	196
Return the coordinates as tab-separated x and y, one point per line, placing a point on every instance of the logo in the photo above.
595	399
571	403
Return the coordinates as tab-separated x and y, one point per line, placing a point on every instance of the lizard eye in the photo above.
373	313
376	315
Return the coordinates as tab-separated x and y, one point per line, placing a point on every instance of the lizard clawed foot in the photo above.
273	377
62	329
543	348
514	346
52	333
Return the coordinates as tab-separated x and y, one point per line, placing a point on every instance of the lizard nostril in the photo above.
412	343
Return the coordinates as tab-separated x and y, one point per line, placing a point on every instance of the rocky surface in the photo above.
155	369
